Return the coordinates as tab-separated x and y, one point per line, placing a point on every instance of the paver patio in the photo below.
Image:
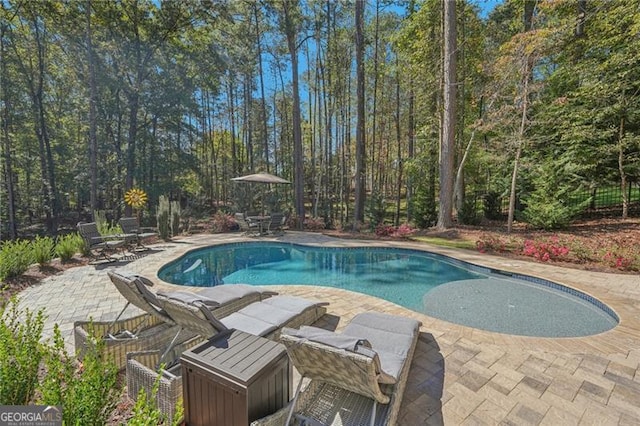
459	375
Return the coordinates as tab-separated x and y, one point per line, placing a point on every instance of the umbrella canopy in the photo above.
261	177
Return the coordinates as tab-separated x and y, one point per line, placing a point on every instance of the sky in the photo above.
486	6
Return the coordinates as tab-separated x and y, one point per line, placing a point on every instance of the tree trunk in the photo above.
298	171
265	134
516	161
360	176
93	93
133	101
12	227
623	175
399	145
449	119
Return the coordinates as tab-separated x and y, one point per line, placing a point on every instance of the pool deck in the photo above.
459	375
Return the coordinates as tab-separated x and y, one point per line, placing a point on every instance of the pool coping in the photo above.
464	264
592	283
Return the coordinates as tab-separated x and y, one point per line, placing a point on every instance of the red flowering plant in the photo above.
546	249
403	231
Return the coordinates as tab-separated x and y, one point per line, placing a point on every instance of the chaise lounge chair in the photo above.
155	329
357	376
265	318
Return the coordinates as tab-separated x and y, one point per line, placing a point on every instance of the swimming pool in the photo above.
432	284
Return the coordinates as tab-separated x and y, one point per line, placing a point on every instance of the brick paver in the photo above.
459	375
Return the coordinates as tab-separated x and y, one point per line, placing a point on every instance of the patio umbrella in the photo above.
261	178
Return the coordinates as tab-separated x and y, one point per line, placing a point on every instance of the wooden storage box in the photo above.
233	379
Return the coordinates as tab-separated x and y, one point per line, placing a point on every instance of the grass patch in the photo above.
444	242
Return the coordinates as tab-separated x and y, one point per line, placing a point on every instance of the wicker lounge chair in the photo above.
155	329
265	318
101	247
131	226
357	376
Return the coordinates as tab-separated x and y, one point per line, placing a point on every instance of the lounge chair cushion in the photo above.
224	294
189	298
262	318
390	336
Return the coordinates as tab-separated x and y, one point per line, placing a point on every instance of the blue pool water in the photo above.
436	285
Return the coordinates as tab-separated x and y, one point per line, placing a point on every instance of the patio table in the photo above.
262	221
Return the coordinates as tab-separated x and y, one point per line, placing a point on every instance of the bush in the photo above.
468	215
314	223
176	213
545	250
164	225
68	245
489	243
491	206
403	231
86	390
20	353
15	258
42	248
146	412
547	206
223	222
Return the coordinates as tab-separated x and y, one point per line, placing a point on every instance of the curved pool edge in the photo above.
624	298
452	256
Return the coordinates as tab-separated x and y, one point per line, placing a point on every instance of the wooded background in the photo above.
354	102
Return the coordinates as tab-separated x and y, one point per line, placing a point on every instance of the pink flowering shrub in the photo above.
403	231
545	250
384	230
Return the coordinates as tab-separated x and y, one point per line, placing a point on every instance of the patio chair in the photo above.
276	226
357	376
155	329
100	246
130	225
247	227
265	318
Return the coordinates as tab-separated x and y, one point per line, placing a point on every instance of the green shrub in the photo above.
491	206
20	353
548	205
469	215
87	390
164	226
42	248
104	226
15	258
146	412
68	245
176	213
